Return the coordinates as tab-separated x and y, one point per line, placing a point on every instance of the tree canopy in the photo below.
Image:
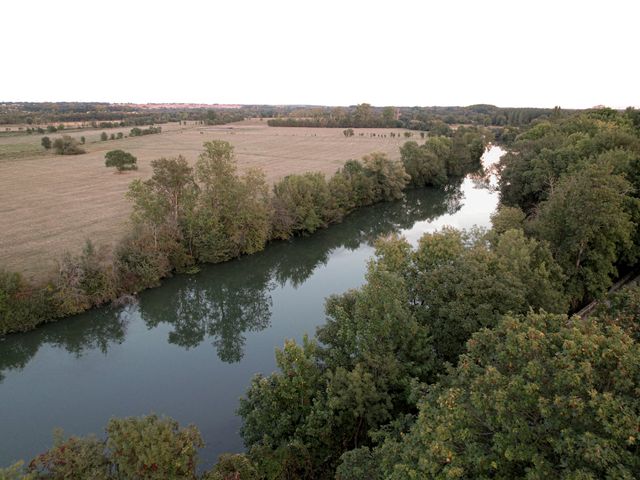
121	160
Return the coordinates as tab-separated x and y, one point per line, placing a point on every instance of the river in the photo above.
189	348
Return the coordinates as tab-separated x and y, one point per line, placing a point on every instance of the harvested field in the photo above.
50	203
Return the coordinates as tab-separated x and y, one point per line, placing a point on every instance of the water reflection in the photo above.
74	335
223	302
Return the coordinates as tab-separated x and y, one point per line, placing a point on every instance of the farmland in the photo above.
50	204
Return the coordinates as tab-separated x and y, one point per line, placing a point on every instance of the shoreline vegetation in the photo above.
183	216
457	358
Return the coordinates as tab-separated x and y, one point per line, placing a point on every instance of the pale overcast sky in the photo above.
507	53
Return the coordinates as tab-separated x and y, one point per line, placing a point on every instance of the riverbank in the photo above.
189	348
184	216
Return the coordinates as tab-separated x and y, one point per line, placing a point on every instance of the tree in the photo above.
389	176
540	396
46	143
173	180
121	160
67	146
586	223
424	166
104	136
233	214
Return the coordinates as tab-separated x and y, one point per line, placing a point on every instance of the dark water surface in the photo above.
189	348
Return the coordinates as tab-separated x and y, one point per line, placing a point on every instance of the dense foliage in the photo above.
411	318
577	180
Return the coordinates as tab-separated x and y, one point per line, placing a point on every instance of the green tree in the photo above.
233	214
104	136
540	396
121	160
388	176
300	204
424	166
46	143
586	223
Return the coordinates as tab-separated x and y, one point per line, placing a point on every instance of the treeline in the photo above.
183	216
106	115
138	132
432	119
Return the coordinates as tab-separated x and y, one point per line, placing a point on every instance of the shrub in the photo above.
22	306
104	136
83	281
46	143
72	457
67	146
139	263
153	448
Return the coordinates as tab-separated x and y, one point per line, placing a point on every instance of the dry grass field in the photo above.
50	204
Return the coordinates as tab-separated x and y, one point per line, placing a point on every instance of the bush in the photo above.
67	146
72	457
121	160
83	281
104	136
153	448
139	263
143	448
22	306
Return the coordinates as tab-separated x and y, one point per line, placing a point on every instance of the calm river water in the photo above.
189	348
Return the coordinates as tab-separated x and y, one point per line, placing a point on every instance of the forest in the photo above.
459	358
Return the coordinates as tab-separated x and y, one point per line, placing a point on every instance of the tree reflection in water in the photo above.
224	301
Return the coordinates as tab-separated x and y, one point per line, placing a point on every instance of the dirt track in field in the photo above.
50	204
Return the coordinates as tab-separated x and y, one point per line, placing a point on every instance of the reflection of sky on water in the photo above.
478	203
